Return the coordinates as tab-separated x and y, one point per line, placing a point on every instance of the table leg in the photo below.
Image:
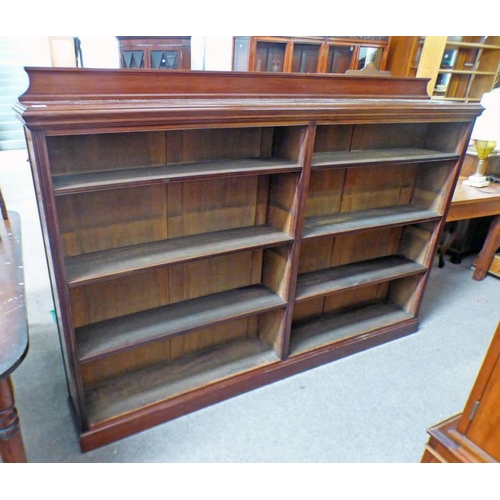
491	245
11	442
450	231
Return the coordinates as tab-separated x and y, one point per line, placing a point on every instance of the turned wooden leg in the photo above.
491	245
11	442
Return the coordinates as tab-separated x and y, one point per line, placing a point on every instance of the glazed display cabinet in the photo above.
209	233
281	54
158	52
460	68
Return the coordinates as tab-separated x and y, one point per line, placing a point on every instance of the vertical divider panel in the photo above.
296	225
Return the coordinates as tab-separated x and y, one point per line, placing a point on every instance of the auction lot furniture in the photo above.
469	203
308	54
474	435
13	334
210	232
460	68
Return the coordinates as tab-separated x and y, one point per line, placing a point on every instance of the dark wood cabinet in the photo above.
308	54
212	232
162	52
474	435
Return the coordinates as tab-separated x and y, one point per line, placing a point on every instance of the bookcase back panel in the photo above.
166	285
389	136
446	136
97	221
355	299
328	252
432	184
198	207
89	153
405	293
316	308
333	138
105	220
325	192
184	146
168	350
417	242
367	188
80	154
433	136
282	202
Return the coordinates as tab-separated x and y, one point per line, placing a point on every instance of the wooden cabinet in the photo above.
474	435
308	54
212	232
163	52
460	68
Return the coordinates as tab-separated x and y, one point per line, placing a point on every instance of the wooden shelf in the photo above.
161	382
327	281
112	179
346	222
378	156
340	327
471	45
465	72
115	335
87	268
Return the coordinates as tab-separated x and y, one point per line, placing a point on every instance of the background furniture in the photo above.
474	435
159	52
13	335
474	203
202	244
460	68
472	211
308	54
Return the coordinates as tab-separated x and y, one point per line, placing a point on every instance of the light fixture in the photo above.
484	149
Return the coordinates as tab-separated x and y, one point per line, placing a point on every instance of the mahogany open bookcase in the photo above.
208	233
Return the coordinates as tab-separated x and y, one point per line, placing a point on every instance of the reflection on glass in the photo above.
241	46
305	58
369	55
270	57
164	59
449	57
339	58
133	59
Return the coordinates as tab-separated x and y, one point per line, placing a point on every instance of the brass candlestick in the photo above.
484	149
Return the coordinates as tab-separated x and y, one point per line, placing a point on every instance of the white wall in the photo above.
211	53
100	51
207	52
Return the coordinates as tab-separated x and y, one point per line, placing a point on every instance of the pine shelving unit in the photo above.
209	233
460	68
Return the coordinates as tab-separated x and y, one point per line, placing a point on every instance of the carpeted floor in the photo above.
373	407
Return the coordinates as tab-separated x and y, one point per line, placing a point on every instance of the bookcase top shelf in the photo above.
65	99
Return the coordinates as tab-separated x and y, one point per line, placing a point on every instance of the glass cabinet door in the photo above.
241	49
339	58
133	59
305	58
367	55
270	56
164	59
